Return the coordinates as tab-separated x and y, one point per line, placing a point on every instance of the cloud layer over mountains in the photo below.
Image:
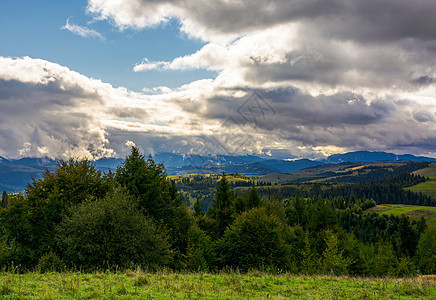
309	76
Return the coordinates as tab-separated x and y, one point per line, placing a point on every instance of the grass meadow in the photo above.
414	212
430	171
427	188
232	285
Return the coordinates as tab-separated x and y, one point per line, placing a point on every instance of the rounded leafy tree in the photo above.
111	232
255	240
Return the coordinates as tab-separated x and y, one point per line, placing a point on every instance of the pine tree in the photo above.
308	264
253	197
5	200
333	259
159	197
408	238
147	181
300	210
221	209
198	211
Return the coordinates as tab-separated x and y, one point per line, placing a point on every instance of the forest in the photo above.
78	218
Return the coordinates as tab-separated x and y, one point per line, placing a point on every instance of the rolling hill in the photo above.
15	173
412	211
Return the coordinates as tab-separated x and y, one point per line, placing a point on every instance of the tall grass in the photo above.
224	285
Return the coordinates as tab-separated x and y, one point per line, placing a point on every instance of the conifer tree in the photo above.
333	258
5	199
146	180
158	197
408	237
253	197
197	208
308	264
221	209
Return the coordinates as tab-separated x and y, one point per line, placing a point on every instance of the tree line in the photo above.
390	190
76	217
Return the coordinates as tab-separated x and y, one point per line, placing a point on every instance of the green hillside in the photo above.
356	172
429	187
412	211
430	171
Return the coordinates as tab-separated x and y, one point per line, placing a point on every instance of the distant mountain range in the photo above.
363	156
14	174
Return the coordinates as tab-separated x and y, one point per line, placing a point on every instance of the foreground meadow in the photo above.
164	285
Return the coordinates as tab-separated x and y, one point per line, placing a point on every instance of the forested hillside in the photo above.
77	217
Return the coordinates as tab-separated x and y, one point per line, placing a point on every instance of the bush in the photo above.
426	253
50	262
385	260
112	232
201	253
255	240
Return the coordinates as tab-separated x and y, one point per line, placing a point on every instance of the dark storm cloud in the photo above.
344	44
345	119
424	116
424	80
293	108
128	112
348	19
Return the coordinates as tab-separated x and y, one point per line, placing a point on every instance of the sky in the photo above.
284	78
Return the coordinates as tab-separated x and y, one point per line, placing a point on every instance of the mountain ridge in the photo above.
14	174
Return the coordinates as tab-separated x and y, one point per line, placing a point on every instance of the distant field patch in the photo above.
414	212
430	171
427	188
381	208
396	211
355	168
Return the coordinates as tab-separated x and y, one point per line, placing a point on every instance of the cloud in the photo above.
367	21
336	75
82	31
341	121
340	74
50	110
147	65
315	45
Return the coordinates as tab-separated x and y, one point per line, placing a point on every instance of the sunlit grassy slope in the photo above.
412	211
428	187
430	171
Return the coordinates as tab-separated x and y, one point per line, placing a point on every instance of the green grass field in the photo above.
430	171
412	211
402	209
255	285
427	188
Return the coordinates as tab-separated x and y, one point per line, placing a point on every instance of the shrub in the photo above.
385	260
50	262
112	232
255	240
426	253
201	254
